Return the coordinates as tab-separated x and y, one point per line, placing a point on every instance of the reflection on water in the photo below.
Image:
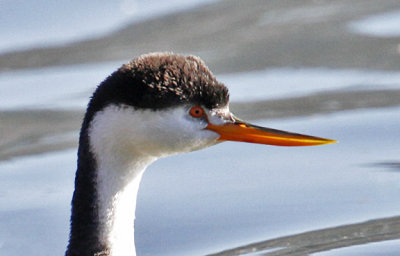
386	248
64	21
390	166
380	25
291	82
329	239
61	88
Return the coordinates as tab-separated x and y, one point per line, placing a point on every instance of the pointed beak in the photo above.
238	130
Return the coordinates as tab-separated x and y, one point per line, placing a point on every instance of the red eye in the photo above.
196	111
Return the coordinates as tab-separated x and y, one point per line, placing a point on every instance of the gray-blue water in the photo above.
221	197
45	22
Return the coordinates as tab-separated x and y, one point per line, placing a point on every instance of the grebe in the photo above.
157	105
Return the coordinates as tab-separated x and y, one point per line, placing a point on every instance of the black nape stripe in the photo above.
85	226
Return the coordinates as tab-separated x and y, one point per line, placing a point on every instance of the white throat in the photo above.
117	192
119	172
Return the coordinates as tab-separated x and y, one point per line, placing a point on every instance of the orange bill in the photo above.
241	131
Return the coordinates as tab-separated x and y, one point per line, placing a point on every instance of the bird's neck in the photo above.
117	188
104	201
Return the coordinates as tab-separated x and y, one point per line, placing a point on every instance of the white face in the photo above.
125	130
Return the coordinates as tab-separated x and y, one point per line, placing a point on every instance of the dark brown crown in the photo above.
161	80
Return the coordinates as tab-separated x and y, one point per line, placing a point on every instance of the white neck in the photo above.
119	170
117	192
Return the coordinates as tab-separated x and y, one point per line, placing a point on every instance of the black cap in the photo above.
161	80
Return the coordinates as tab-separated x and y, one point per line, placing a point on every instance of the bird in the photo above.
157	105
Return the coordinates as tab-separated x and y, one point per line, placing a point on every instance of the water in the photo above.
34	203
386	248
380	25
42	22
62	88
222	197
290	82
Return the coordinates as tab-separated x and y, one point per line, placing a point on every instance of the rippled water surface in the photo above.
225	196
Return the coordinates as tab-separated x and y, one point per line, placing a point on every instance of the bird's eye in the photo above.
197	111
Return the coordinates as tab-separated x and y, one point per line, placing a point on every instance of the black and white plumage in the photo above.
157	105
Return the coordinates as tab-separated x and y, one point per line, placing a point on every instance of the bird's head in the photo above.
161	104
